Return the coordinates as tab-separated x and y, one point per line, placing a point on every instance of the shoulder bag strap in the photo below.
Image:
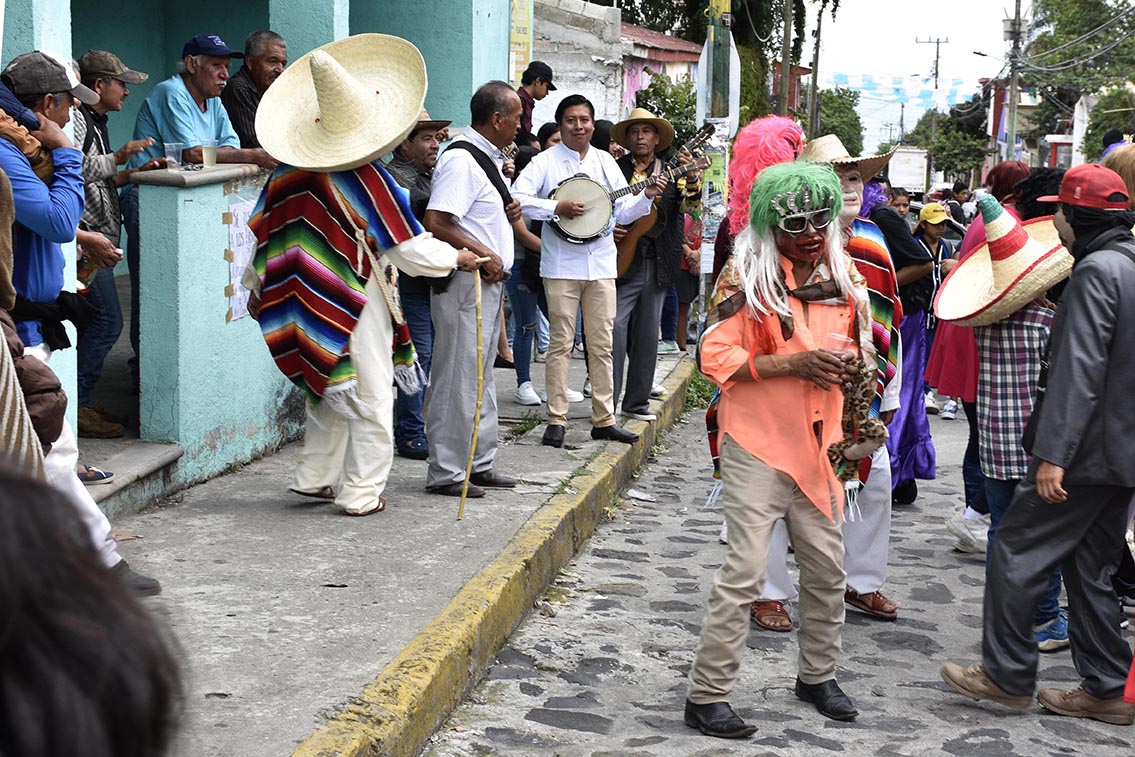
488	166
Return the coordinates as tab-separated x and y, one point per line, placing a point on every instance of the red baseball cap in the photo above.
1090	185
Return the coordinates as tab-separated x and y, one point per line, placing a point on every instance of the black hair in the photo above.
601	138
528	77
491	97
545	132
1039	183
524	155
259	40
30	101
84	668
899	192
960	186
1112	136
570	102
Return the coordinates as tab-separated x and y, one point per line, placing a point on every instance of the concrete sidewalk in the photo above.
293	618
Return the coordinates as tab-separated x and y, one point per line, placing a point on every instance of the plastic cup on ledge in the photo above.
173	155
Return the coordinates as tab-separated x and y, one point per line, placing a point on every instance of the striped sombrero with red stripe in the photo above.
1017	263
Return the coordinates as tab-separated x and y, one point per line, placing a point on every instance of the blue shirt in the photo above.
46	217
170	114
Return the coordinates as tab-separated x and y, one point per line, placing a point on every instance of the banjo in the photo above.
600	203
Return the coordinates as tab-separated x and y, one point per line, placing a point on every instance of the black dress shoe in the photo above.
829	699
553	436
492	479
717	719
454	490
614	433
905	493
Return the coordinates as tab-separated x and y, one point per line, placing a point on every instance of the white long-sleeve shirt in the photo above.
561	259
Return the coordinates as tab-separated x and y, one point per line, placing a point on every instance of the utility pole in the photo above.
937	42
786	59
902	115
718	32
1013	32
813	89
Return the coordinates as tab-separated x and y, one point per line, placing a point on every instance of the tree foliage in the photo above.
838	116
956	154
1062	67
677	103
1115	110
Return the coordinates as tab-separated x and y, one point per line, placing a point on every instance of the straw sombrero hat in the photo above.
343	104
664	128
829	149
1017	263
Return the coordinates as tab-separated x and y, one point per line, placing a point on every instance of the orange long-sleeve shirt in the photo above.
773	418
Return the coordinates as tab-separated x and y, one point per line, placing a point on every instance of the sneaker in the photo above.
526	395
572	395
141	584
639	416
972	535
541	356
949	411
1078	703
95	425
577	352
668	348
931	404
657	391
587	387
1053	635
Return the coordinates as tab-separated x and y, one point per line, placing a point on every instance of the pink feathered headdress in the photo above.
763	142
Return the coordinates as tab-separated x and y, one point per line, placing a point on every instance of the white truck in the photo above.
908	169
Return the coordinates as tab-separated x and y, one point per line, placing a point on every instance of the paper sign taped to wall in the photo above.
242	245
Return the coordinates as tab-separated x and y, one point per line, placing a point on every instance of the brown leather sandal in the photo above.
873	603
325	493
762	613
380	508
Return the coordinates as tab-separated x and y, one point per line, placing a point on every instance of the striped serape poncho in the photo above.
868	250
309	230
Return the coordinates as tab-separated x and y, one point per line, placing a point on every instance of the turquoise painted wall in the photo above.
306	27
207	385
472	50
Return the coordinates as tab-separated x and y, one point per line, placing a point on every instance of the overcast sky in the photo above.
865	39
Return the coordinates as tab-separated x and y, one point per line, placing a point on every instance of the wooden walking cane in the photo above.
480	388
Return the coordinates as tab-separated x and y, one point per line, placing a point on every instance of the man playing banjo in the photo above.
656	262
578	258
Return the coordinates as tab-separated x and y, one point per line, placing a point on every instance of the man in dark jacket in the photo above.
1071	508
641	287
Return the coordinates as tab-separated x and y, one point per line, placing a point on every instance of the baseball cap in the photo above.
209	44
39	73
1090	185
932	213
96	63
543	71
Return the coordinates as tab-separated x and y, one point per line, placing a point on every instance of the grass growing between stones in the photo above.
700	392
530	421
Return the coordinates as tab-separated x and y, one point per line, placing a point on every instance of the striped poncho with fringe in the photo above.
314	275
868	249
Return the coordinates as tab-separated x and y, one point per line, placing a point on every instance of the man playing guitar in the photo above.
656	261
579	270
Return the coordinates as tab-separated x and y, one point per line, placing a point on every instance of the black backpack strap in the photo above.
487	165
90	135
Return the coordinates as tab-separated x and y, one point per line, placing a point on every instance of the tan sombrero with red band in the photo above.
1018	263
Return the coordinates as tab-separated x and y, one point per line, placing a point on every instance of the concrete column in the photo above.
35	25
473	49
306	25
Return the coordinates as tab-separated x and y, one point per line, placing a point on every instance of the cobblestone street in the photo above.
599	666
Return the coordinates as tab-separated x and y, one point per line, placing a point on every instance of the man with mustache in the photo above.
265	58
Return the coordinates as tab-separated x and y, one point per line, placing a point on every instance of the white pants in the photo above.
59	465
865	540
355	455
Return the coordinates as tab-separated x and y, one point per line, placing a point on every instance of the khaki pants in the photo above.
565	296
755	496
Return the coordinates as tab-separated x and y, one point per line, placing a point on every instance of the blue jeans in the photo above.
524	317
972	477
670	315
128	200
409	426
100	334
999	495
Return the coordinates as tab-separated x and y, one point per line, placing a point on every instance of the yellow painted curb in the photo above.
398	711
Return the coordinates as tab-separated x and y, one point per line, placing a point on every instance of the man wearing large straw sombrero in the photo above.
333	231
1071	508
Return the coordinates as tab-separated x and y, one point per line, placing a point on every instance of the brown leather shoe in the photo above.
93	425
972	682
1078	703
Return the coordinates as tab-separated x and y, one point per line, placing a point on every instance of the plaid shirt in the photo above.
1010	352
101	211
